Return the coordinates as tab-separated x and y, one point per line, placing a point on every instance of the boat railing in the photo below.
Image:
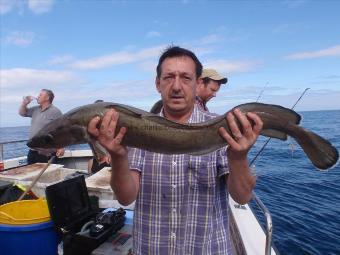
269	223
13	154
2	144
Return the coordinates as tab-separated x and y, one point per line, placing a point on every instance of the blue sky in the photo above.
88	50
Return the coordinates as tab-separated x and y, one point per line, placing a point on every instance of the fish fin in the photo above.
292	147
157	107
135	112
320	151
97	149
274	134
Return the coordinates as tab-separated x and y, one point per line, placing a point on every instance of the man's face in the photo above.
177	84
43	97
207	92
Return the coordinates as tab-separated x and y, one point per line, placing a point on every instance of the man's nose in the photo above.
177	84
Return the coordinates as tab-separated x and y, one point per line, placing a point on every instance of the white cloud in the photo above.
228	67
36	6
148	66
152	34
58	60
19	38
328	52
40	6
21	77
119	58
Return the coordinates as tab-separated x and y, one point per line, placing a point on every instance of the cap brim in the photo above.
224	80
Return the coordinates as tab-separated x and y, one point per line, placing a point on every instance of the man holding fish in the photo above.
181	200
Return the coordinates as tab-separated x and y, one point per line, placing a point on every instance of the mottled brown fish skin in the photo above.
154	133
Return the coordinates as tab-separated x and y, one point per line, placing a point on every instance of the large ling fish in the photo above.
154	133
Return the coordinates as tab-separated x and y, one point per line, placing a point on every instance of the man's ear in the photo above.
199	83
158	85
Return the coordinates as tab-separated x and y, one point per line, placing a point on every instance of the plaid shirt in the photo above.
201	104
182	206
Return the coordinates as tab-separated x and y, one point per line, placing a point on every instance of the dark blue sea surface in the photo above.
14	134
303	201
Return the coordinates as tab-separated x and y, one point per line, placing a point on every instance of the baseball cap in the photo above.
214	75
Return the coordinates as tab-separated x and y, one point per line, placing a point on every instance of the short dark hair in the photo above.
175	51
50	94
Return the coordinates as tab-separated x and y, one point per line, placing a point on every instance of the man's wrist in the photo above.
235	155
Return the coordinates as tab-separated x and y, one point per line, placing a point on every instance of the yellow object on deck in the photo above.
25	212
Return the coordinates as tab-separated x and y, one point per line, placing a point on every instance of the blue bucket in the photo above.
34	239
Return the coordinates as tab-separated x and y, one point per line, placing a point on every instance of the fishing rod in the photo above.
265	144
36	178
261	92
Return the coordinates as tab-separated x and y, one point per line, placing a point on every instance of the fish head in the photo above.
59	133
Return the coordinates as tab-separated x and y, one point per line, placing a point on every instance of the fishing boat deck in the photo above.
247	234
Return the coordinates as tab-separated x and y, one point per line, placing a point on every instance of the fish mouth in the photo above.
29	143
40	142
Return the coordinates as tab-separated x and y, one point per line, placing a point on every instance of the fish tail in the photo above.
320	151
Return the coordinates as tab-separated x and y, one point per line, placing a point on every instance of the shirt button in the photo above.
173	210
174	186
173	235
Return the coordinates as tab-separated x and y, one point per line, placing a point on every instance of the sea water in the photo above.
303	201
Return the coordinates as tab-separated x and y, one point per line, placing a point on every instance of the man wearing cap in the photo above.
207	87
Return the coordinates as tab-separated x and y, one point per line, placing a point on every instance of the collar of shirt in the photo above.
42	110
194	117
201	103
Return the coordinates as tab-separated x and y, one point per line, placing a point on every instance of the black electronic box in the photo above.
80	223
